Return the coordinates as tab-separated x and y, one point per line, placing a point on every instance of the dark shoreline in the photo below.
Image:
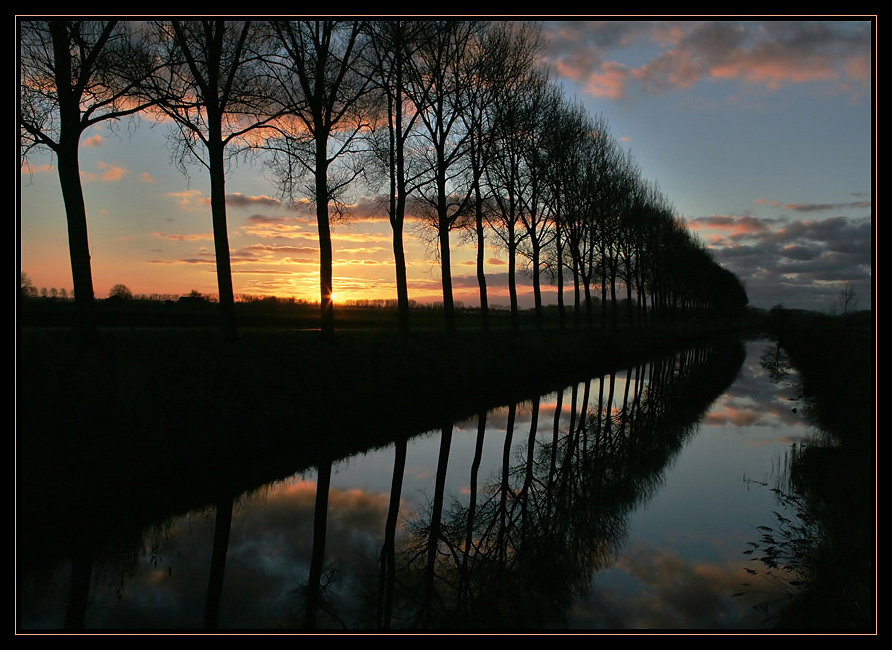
147	422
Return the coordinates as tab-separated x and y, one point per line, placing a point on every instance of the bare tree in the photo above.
73	75
503	53
211	88
393	44
847	298
587	186
505	177
544	100
322	85
440	78
563	140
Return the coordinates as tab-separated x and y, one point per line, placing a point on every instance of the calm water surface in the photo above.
624	502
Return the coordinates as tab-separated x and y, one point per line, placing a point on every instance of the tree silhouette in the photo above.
393	44
440	76
322	87
847	298
120	291
503	53
211	87
73	75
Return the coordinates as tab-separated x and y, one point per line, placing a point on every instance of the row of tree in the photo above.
453	121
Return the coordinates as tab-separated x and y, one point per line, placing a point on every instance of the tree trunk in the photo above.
537	288
446	276
577	299
481	274
78	242
326	256
603	267
589	304
630	304
559	251
445	254
512	283
398	207
436	524
402	288
70	182
222	527
388	551
614	307
221	234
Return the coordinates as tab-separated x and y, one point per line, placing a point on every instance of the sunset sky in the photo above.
760	133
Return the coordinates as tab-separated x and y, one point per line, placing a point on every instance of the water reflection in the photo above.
553	516
524	509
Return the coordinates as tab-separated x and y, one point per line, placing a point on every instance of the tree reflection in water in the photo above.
529	541
515	552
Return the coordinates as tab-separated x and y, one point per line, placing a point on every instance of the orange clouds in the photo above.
675	69
190	198
107	172
609	83
93	141
729	226
199	237
27	168
773	72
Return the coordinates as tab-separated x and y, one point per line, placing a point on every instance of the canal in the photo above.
652	498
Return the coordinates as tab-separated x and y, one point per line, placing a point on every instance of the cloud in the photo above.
240	200
284	250
361	237
93	141
676	55
193	237
190	198
800	263
278	227
107	172
670	593
820	207
27	168
729	225
782	52
609	82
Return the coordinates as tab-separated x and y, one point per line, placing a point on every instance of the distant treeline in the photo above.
195	309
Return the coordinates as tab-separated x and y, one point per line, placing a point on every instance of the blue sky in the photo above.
760	133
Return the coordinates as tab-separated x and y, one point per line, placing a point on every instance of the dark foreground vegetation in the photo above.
830	549
837	357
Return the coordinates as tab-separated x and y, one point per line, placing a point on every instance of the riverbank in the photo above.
833	478
836	357
149	382
123	425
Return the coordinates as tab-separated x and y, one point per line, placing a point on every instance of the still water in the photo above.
629	501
